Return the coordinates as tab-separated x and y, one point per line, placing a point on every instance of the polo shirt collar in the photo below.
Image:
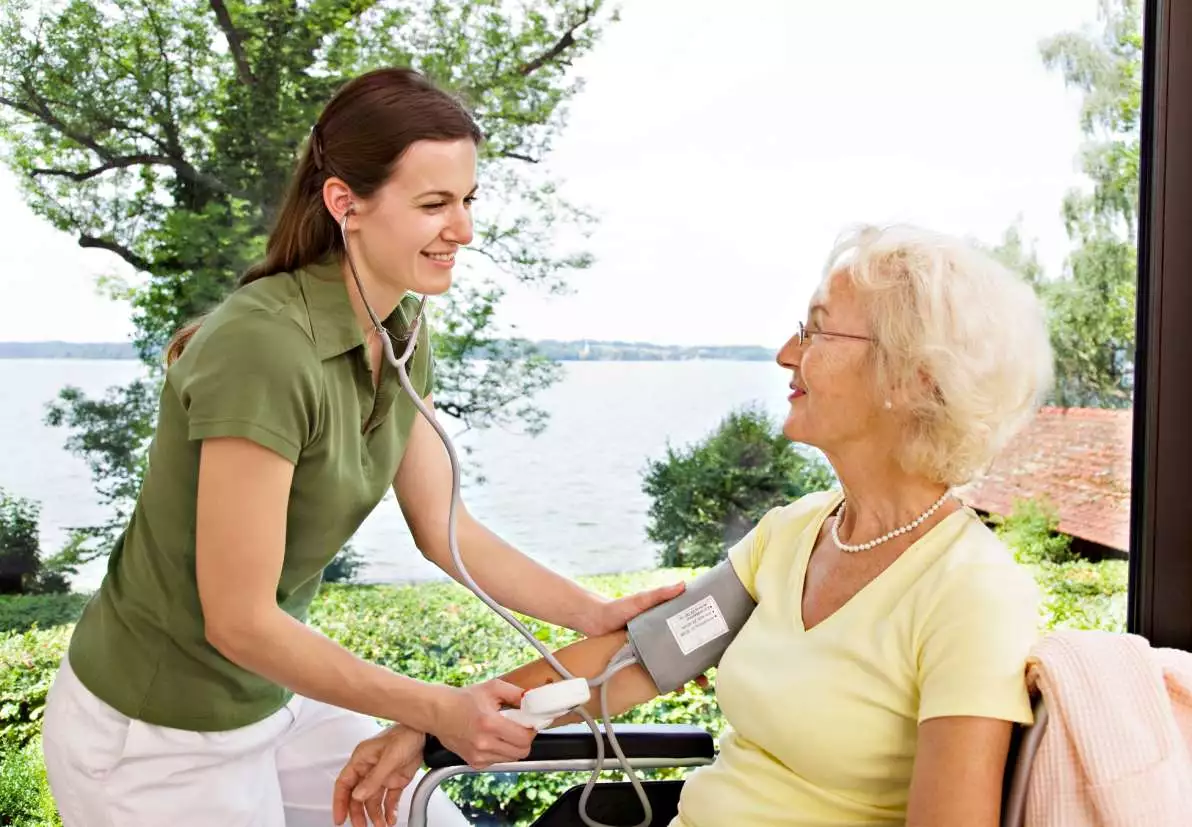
332	319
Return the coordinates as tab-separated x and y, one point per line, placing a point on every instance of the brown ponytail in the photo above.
359	138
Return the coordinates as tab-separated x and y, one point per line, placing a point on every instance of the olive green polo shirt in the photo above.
281	362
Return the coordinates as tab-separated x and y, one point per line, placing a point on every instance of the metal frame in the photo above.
1161	531
1018	770
1014	809
420	803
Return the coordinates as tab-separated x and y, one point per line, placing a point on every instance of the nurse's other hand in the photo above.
614	615
375	776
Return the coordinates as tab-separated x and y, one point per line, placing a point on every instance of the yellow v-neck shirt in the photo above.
824	722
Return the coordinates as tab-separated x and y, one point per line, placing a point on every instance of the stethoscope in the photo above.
619	661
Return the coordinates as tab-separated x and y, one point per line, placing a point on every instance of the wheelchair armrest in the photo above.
575	742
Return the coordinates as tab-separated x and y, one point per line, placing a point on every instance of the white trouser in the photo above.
107	770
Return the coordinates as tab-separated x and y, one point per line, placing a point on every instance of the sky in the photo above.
723	147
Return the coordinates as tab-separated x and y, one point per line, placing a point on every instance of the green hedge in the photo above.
25	799
441	633
21	612
436	632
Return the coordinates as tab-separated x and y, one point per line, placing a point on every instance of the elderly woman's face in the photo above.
832	382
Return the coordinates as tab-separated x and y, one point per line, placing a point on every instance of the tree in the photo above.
163	132
21	568
1092	307
1014	252
19	559
710	494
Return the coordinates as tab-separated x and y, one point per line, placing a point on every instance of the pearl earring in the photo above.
888	405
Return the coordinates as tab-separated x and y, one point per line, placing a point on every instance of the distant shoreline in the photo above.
573	351
67	350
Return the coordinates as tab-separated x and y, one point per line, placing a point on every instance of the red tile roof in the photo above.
1076	458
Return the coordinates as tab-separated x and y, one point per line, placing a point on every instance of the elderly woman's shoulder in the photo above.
976	556
976	543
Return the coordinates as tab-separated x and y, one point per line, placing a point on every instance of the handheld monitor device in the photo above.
544	704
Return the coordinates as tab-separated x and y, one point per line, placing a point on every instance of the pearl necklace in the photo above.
911	526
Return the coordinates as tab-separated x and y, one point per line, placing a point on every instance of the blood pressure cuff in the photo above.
679	640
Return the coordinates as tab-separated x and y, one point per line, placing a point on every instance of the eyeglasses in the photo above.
805	334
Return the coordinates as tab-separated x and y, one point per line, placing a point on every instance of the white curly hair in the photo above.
961	342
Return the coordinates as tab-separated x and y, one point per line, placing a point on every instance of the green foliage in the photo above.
28	662
22	570
1082	595
1092	304
25	799
708	495
165	133
1017	254
1030	531
19	613
1106	66
1077	594
1092	324
19	558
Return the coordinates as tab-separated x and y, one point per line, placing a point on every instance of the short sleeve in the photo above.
255	377
786	522
974	645
746	554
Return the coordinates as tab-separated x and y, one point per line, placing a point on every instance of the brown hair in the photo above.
359	138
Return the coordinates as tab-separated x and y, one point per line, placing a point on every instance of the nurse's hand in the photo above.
614	615
469	723
370	785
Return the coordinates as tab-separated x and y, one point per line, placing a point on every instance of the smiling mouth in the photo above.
444	257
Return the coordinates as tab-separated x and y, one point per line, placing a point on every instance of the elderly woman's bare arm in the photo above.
587	659
958	772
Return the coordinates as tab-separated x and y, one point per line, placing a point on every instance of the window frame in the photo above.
1160	566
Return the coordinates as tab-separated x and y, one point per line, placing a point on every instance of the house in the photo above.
1078	461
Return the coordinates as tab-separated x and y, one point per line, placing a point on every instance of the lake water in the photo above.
570	498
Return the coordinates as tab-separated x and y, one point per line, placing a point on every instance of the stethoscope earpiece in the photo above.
410	342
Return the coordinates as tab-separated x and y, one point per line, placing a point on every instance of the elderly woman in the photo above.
878	679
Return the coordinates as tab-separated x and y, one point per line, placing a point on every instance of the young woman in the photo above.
193	692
